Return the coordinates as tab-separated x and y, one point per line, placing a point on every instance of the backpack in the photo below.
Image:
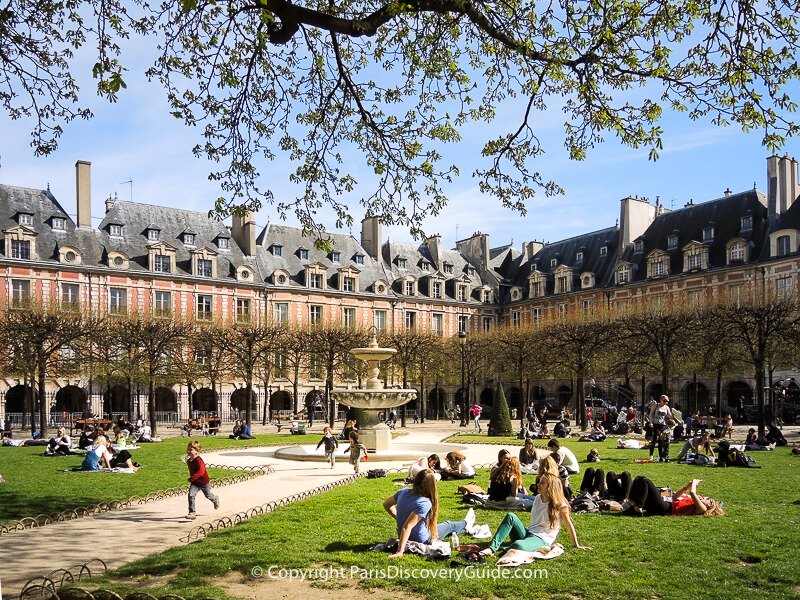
737	458
376	473
585	503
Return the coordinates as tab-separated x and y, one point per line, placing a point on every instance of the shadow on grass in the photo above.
345	547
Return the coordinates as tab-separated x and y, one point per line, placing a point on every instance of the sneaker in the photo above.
216	504
191	516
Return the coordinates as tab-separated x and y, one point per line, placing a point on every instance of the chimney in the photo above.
435	248
243	230
728	193
110	202
531	248
635	217
83	192
476	249
371	236
782	186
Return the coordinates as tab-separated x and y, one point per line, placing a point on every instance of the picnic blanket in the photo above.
515	558
509	504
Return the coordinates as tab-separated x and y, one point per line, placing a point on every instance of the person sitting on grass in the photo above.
96	455
122	459
647	500
568	458
60	445
505	482
426	462
527	454
695	445
457	467
753	443
416	512
549	511
614	487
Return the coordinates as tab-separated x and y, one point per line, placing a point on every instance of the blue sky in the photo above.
136	139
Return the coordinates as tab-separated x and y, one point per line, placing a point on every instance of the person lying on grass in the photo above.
645	498
416	511
550	509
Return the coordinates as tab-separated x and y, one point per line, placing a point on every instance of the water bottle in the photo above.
454	542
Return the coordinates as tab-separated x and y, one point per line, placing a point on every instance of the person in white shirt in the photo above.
457	467
568	458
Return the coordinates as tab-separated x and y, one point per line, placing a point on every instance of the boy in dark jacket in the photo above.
330	445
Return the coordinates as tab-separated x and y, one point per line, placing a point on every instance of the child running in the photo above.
198	479
357	450
330	445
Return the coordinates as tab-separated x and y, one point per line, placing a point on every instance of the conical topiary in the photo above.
500	423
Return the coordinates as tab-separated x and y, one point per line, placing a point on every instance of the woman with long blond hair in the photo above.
550	510
416	511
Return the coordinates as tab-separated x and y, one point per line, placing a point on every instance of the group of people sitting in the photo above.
456	466
241	431
101	452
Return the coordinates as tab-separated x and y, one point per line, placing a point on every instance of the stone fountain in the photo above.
373	398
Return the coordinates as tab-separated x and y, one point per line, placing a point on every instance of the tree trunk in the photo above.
581	401
151	403
248	391
759	377
42	401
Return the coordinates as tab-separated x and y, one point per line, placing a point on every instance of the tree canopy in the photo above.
363	98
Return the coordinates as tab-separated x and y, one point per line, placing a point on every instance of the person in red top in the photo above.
685	502
198	479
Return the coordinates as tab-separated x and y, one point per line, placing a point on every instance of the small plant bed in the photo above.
753	547
483	438
37	484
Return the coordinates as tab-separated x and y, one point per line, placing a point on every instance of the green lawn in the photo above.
753	548
37	484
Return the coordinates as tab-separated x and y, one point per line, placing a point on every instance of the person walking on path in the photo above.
330	446
476	411
199	480
357	451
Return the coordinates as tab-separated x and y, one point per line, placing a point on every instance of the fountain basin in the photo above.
373	399
398	451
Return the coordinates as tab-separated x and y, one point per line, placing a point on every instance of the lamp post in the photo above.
462	344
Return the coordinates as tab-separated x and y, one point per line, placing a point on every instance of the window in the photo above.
202	356
695	261
623	274
737	252
315	280
553	262
516	318
536	289
462	293
204	304
426	266
735	293
335	256
21	249
349	317
314	367
204	267
70	295
152	234
579	257
20	292
243	309
358	259
536	314
411	319
409	288
659	268
487	324
118	300
672	242
25	219
783	286
448	268
303	253
436	290
223	243
708	234
401	262
277	250
70	256
118	261
161	263
638	246
437	324
162	303
587	304
244	274
487	296
587	281
562	309
380	320
694	297
783	244
188	239
280	312
115	230
315	314
747	223
349	284
603	250
59	224
463	323
562	284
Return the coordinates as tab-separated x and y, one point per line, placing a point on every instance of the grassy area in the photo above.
483	438
754	547
36	484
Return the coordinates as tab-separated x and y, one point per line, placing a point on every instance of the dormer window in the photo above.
115	230
462	293
58	223
471	271
579	257
315	281
672	242
553	262
21	249
277	250
401	263
708	234
623	274
303	254
436	290
153	234
335	256
204	267
25	219
223	243
358	259
747	223
487	296
737	252
603	250
638	246
426	266
188	239
448	268
409	288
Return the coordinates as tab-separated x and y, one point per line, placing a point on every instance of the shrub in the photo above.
500	423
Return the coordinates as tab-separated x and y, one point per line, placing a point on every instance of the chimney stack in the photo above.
243	230
782	185
635	217
531	248
371	236
435	248
110	202
83	192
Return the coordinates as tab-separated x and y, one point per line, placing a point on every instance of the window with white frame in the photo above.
188	239
20	292
358	259
587	304
437	324
536	314
638	246
623	274
70	295
516	318
25	219
694	260
223	243
708	234
21	249
401	262
335	256
409	285
162	303
202	356
672	242
448	268
152	234
562	309
115	230
735	293
737	252
694	297
658	267
379	317
603	250
426	266
204	267
315	367
411	319
784	286
537	288
315	281
579	257
204	306
746	223
487	296
587	281
162	263
277	250
315	314
303	253
436	290
553	262
562	284
349	317
784	245
487	324
349	284
242	309
280	312
462	293
117	300
463	323
59	223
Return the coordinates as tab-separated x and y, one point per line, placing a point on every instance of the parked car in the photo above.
553	412
599	406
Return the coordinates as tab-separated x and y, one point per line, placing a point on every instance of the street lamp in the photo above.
462	344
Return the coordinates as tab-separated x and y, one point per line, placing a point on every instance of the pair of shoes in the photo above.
486	552
191	516
216	504
469	519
